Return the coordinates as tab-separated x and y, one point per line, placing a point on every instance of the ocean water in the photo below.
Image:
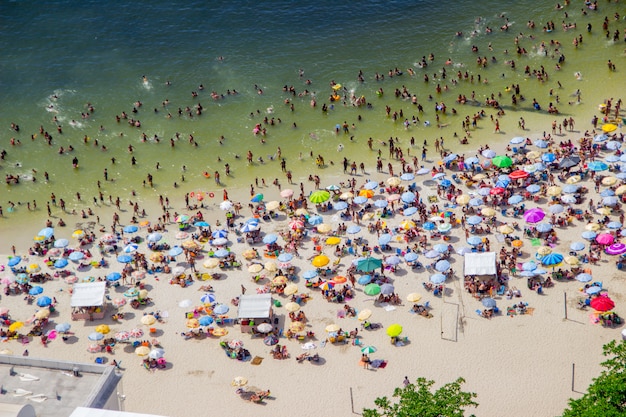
62	56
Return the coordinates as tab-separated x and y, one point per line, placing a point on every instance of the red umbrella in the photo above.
602	303
496	190
519	174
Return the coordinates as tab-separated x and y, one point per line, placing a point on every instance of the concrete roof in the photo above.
54	390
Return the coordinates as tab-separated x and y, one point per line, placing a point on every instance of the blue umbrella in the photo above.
249	227
589	235
221	309
541	144
95	336
131	228
475	202
221	253
60	263
36	290
310	274
450	158
600	138
63	327
488	302
175	251
407	176
384	239
130	248
201	224
364	279
474	240
341	205
285	257
597	166
445	183
502	183
612	158
76	256
442	265
543	227
381	203
360	199
432	254
208	298
607	193
205	321
439	175
533	188
113	276
269	239
371	185
609	201
552	259
411	257
14	261
44	301
61	243
548	157
577	246
540	271
219	234
441	247
594	289
571	188
46	232
517	140
353	229
472	160
515	199
22	278
429	226
437	278
408	197
474	220
463	250
315	220
124	259
614	225
529	266
257	198
410	211
154	237
584	277
484	191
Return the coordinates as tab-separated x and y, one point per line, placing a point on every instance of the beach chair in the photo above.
501	290
480	313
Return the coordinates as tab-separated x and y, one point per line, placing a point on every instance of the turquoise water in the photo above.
64	54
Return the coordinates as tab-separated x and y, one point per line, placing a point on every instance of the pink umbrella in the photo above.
139	274
296	224
8	280
394	197
94	348
136	333
122	336
534	215
602	303
119	302
52	334
71	279
286	193
605	239
616	248
496	190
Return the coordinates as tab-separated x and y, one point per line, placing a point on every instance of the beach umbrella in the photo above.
387	289
320	261
44	301
607	192
506	229
569	162
621	189
534	215
255	268
600	138
340	205
437	278
573	179
408	197
292	289
556	208
518	174
577	246
517	140
270	238
201	224
372	185
364	279
552	259
192	323
319	196
208	299
609	127
366	350
272	205
407	176
584	277
540	143
594	289
131	292
63	327
463	199
142	350
614	225
571	188
394	330
61	243
515	199
315	220
372	289
589	235
533	188
148	320
597	166
502	161
221	253
59	263
42	314
474	220
548	157
432	254
182	218
610	201
124	259
175	251
130	248
488	212
474	240
364	314
488	303
475	202
517	243
22	278
221	309
568	199
428	226
442	265
205	320
609	181
554	191
605	239
78	234
309	274
529	266
444	227
131	228
543	227
76	256
413	297
156	353
384	239
16	325
616	248
95	336
440	247
154	237
292	307
488	153
368	264
354	229
285	257
602	304
94	348
484	191
119	302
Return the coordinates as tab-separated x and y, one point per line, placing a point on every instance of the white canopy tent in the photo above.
480	263
253	309
89	294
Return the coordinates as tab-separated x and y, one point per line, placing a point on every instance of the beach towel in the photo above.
530	311
257	360
378	363
389	308
535	242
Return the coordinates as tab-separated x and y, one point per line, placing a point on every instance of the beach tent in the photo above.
480	263
88	300
254	309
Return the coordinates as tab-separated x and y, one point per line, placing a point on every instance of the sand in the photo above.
521	364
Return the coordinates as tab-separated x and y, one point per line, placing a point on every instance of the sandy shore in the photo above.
522	363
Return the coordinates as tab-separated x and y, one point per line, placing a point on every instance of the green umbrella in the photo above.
319	196
368	264
502	161
368	350
394	330
372	289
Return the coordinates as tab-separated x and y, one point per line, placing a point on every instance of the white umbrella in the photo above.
226	205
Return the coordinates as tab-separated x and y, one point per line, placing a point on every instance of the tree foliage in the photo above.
606	396
418	400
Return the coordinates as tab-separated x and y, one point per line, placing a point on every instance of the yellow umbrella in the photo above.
148	320
33	268
333	240
620	190
255	269
506	229
554	190
364	314
594	227
366	193
407	224
15	326
142	350
296	326
571	260
272	205
219	331
517	243
573	179
463	199
533	155
479	177
190	244
394	181
292	307
157	257
488	212
44	313
332	328
394	330
413	297
193	323
239	381
609	127
211	263
248	254
605	211
609	180
346	196
103	328
324	228
290	289
143	294
271	266
78	233
302	212
320	261
544	250
279	280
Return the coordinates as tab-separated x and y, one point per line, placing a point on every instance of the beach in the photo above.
519	360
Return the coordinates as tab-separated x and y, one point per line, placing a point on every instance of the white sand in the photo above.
520	364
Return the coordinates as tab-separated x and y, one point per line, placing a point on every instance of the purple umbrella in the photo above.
616	248
534	215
